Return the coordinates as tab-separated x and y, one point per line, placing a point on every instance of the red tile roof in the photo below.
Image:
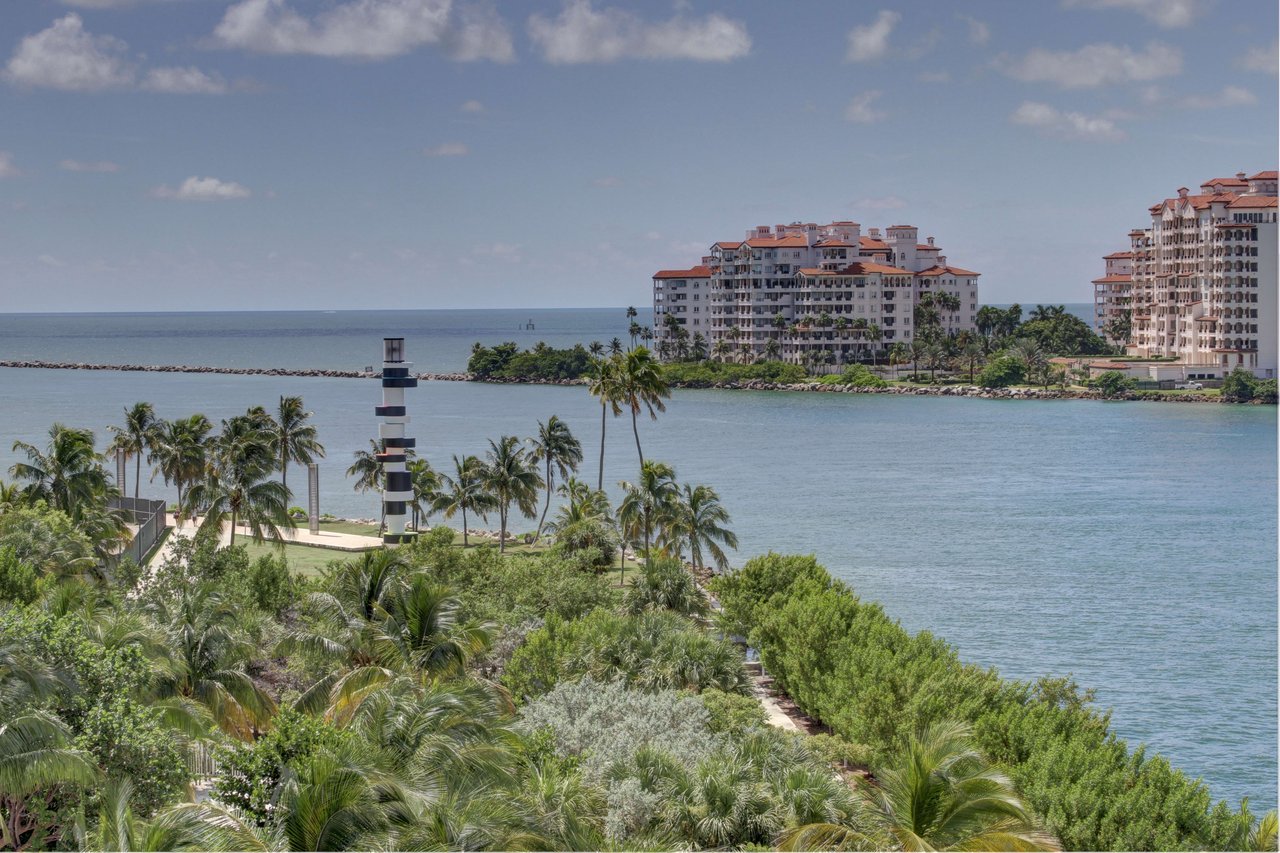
834	243
1253	201
925	247
860	268
1263	176
1226	182
894	227
1113	279
948	270
1197	202
873	243
693	272
791	242
1115	256
728	244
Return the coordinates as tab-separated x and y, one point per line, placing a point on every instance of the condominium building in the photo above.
1203	286
1113	292
790	291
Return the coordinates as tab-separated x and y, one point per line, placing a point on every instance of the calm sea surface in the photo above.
1131	544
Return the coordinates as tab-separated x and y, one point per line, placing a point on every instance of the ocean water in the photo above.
1132	545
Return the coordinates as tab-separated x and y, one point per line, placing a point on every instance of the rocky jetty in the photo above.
230	371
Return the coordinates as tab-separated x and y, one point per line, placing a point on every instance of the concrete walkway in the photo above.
300	536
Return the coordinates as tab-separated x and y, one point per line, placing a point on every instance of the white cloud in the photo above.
65	56
366	29
89	166
872	40
508	252
582	34
1050	121
1094	65
203	189
472	106
447	149
1230	96
934	77
479	33
184	81
884	202
51	261
979	31
7	168
860	110
1264	58
1169	14
607	183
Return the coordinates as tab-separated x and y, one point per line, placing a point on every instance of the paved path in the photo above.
300	536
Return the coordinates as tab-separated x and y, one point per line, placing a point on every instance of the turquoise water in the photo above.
1133	545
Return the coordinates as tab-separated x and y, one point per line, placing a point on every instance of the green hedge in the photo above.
693	373
845	662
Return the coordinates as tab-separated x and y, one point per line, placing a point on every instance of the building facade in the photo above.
1112	295
799	291
1203	281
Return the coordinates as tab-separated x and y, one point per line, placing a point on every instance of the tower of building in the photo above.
397	490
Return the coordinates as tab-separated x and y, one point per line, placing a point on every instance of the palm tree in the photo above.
699	348
603	383
698	520
615	347
235	485
555	446
510	476
1029	353
876	335
596	349
940	795
36	755
426	485
464	491
950	303
207	662
294	438
180	451
136	437
919	348
641	385
368	473
772	349
118	828
648	503
634	332
720	349
68	475
972	354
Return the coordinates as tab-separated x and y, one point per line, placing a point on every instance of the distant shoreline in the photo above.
971	391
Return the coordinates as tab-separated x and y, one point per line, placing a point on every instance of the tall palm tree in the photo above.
1029	353
634	332
137	437
772	349
939	795
235	485
180	452
698	520
294	438
698	351
641	385
615	347
876	335
510	476
119	828
368	473
68	474
972	353
720	349
426	485
647	504
464	492
556	447
596	349
603	384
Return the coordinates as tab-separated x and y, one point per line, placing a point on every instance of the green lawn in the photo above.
304	559
346	527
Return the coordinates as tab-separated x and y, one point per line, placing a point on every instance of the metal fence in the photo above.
151	521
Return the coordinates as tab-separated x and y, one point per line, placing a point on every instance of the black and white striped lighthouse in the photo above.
397	490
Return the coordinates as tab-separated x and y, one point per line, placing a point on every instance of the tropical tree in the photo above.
615	347
641	386
772	349
368	473
561	453
510	476
939	795
136	437
972	353
68	475
294	438
120	828
235	486
647	504
603	384
207	659
36	757
698	520
464	492
426	485
595	348
1028	352
698	351
180	453
876	335
720	349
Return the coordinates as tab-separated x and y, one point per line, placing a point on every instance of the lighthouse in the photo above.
397	490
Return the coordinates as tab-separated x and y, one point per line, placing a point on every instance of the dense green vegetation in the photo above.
1242	386
847	664
543	363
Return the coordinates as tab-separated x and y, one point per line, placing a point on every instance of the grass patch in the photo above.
345	527
303	559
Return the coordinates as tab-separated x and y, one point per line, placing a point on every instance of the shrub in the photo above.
656	650
17	579
860	376
732	714
1241	386
506	361
1001	372
590	539
697	374
270	586
437	537
1113	383
666	585
844	662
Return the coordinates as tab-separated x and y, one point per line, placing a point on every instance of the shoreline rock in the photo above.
747	385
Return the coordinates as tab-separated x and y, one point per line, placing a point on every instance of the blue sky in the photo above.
192	154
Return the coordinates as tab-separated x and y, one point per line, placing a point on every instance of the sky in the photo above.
331	154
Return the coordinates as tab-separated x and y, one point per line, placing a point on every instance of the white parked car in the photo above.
1188	386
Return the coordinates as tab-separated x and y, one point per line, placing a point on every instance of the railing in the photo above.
150	519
